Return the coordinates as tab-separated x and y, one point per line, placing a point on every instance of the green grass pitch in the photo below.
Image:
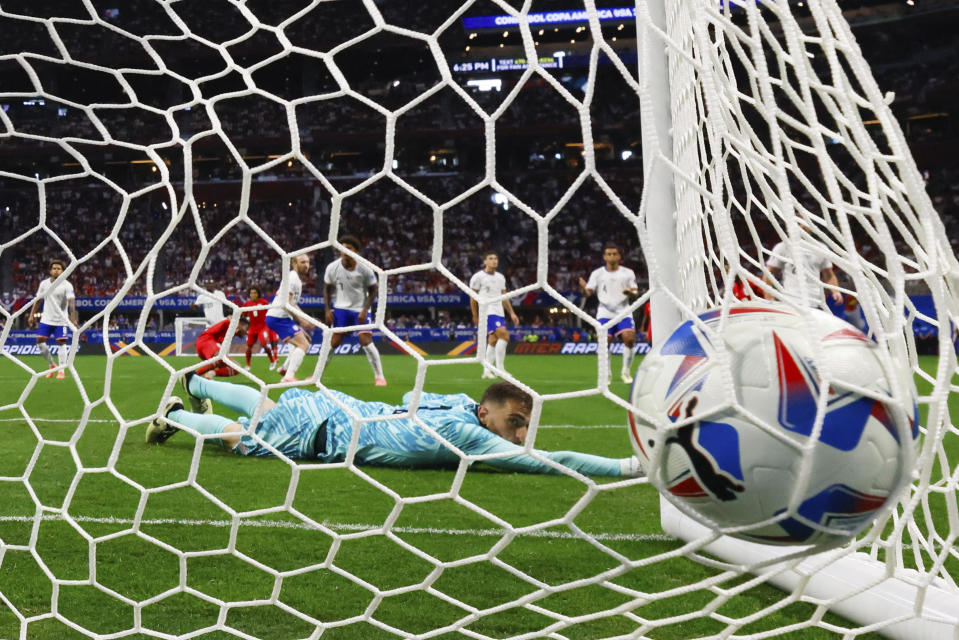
273	572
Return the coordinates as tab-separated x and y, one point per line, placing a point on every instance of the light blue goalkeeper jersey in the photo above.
291	426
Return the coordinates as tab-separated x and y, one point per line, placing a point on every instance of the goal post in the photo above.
687	124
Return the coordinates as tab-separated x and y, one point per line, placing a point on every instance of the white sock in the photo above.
63	350
627	359
500	352
45	352
294	361
490	352
374	357
286	361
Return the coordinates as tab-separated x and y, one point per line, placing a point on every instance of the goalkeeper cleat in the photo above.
197	404
625	377
160	430
61	374
379	381
50	372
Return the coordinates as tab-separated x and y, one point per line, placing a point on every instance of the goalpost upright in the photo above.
897	602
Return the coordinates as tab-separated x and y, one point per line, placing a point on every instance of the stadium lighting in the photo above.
486	84
626	155
396	83
163	204
467	47
500	199
558	155
396	164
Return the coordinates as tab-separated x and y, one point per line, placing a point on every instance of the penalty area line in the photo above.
353	526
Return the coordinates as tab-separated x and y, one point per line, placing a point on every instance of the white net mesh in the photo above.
166	143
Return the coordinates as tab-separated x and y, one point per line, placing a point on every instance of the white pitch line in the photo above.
340	526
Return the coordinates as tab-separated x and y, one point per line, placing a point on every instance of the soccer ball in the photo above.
774	425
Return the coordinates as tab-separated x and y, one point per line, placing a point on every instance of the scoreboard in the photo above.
494	65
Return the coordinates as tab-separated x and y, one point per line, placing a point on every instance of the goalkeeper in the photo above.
320	426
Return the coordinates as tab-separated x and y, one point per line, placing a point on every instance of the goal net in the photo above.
164	143
186	331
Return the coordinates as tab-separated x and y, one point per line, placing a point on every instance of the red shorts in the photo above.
265	336
206	348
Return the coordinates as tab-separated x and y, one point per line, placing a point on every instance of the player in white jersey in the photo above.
615	287
348	292
489	283
280	318
814	270
59	311
211	303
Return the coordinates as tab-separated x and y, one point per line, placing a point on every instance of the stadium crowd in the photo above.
396	225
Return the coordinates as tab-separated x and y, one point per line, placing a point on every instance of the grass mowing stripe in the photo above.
349	526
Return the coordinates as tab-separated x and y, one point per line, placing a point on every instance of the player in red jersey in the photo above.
258	329
208	345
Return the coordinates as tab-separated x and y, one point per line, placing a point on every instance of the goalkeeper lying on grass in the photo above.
314	426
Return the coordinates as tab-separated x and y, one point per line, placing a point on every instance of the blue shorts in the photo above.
55	331
346	318
493	323
626	324
283	327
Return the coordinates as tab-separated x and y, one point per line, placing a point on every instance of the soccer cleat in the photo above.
247	367
289	379
625	377
197	404
281	371
487	374
160	430
380	381
273	365
61	374
50	372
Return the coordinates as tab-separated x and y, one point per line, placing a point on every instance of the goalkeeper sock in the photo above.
45	352
500	350
63	350
294	361
627	359
232	396
204	424
374	358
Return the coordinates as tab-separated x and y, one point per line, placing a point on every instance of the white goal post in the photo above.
693	113
186	331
